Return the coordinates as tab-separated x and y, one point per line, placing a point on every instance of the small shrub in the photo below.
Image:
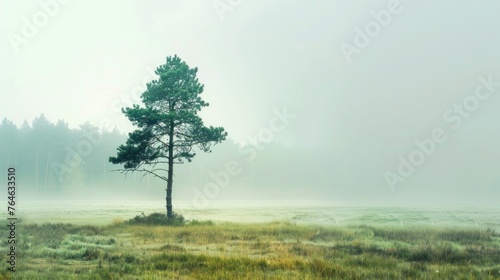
158	219
176	220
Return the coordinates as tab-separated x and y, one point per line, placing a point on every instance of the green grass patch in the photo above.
148	248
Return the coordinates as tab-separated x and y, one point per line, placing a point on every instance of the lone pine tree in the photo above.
169	127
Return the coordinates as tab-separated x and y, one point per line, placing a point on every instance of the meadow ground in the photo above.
277	250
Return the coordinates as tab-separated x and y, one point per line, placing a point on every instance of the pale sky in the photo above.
83	60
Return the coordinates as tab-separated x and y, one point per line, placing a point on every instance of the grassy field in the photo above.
206	250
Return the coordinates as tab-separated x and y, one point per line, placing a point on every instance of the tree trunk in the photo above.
170	170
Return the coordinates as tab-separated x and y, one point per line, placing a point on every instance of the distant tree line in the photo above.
52	158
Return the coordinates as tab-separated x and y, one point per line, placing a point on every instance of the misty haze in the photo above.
236	140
